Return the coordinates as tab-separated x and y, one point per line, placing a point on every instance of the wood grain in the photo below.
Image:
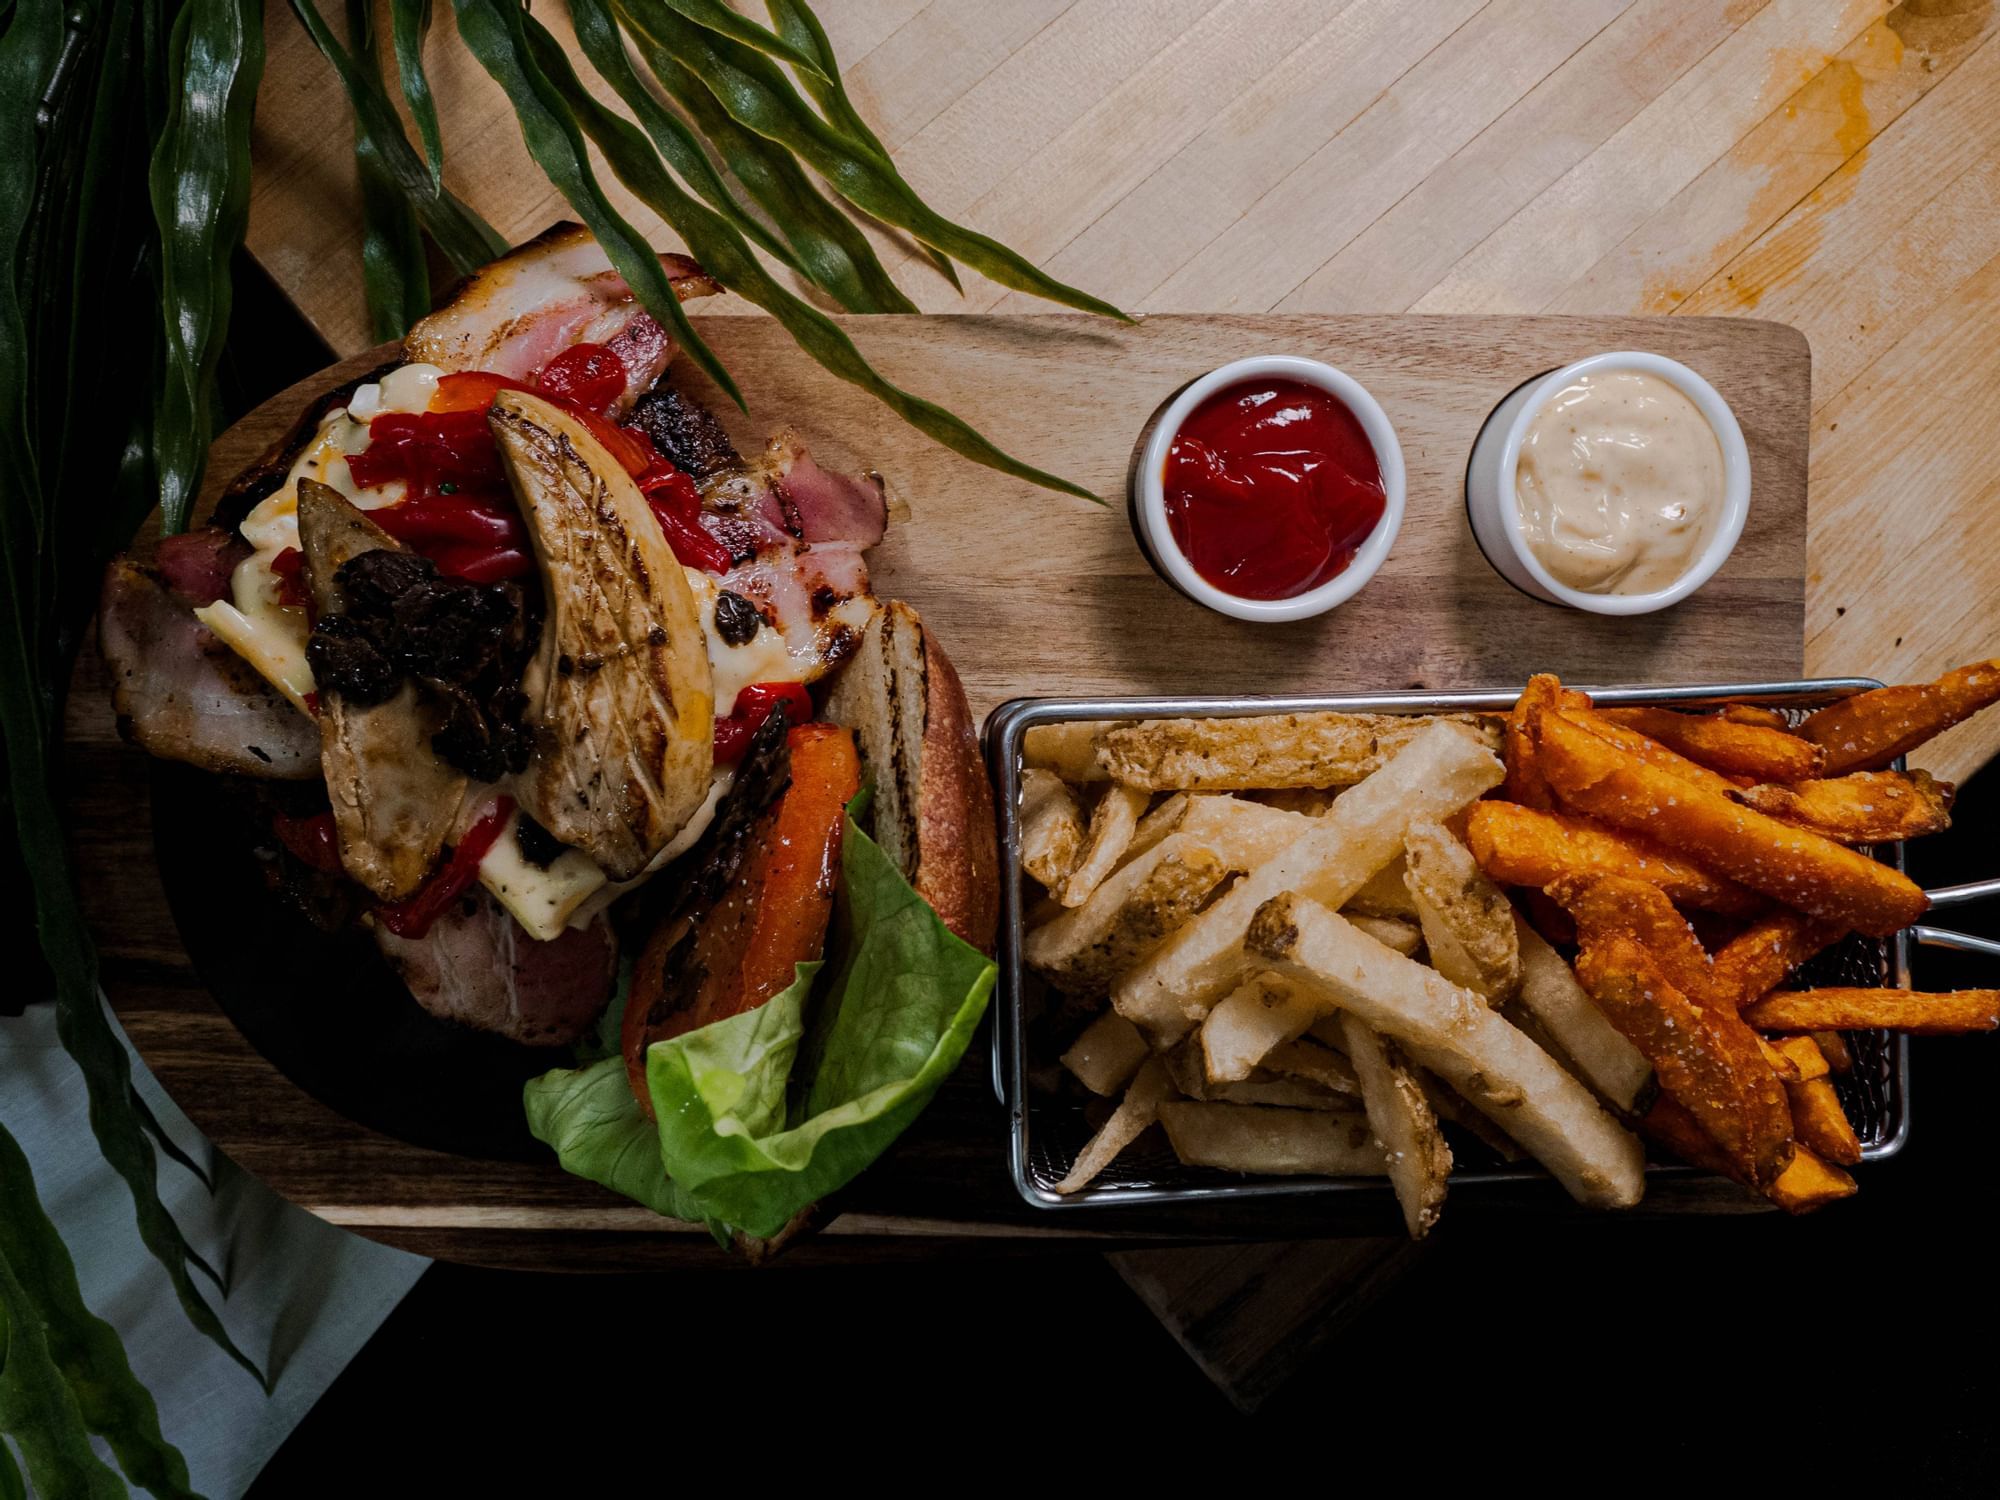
1827	163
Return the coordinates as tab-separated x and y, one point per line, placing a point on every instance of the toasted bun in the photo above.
933	806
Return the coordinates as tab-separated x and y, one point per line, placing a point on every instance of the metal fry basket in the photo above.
1049	1127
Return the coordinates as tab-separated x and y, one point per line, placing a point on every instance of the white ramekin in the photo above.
1149	499
1495	512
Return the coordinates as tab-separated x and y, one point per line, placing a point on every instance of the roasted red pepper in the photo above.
676	504
472	390
430	450
413	918
771	918
452	518
591	375
313	840
753	706
287	564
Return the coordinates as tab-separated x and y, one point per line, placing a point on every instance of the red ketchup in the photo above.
1271	485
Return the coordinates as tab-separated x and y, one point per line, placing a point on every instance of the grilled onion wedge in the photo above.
620	694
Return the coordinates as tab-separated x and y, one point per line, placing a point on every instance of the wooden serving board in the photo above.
1032	593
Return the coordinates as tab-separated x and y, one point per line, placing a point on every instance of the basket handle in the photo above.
1962	942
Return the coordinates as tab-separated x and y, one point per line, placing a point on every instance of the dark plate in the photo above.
325	1009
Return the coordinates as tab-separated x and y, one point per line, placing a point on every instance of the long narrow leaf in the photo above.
11	1485
602	43
835	253
410	23
757	94
168	1146
795	22
393	274
201	201
82	1346
38	1410
466	240
495	32
725	256
713	15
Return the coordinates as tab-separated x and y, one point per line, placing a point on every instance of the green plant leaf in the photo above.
396	281
835	253
38	1410
725	256
466	241
757	94
795	22
496	33
201	202
82	1346
11	1486
169	1147
409	24
715	16
604	45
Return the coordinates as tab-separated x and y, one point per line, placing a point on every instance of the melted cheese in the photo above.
719	782
762	658
542	901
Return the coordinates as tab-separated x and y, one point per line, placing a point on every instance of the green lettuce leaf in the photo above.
765	1113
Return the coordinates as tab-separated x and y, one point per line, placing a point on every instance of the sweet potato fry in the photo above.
1707	1060
1758	958
1642	911
1798	868
1524	783
1868	1010
1642	747
1750	713
1833	1047
1519	846
1865	807
1724	745
1867	731
1810	1183
1803	1056
1667	1123
1821	1124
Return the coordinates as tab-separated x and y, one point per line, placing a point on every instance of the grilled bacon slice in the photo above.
620	692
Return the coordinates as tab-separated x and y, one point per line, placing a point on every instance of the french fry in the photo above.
1114	818
1863	807
1640	747
1440	770
1107	1054
1150	1088
1157	824
1751	713
1390	932
1467	922
1067	750
1084	949
1307	801
1266	751
1758	958
1867	731
1455	1034
1257	1017
1595	1049
1703	1057
1869	1010
1403	1121
1822	1125
1280	1142
1280	1093
1524	784
1803	1055
1833	1047
1244	833
1449	1105
1726	745
1798	868
1051	827
1781	1063
1383	894
1314	1064
1642	911
1518	846
1810	1183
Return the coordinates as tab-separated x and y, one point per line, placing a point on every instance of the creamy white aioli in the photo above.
1620	483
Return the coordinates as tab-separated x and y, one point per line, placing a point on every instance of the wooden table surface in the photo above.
1833	164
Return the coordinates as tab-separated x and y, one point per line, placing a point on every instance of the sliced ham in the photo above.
183	695
477	966
825	506
519	313
197	564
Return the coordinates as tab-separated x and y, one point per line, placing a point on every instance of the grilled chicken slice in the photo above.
620	694
394	800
